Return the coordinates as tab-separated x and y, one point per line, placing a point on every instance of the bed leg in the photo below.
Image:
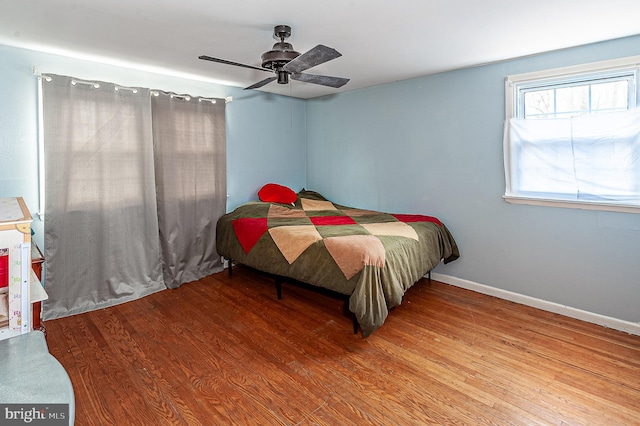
429	276
279	287
354	319
230	266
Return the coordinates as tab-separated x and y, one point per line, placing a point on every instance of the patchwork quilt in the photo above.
371	256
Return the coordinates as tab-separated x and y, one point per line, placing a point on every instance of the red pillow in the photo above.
274	193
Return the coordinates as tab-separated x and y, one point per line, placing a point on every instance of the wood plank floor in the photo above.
224	351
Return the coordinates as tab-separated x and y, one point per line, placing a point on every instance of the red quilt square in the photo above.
416	218
332	220
249	231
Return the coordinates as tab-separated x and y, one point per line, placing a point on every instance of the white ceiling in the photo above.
381	40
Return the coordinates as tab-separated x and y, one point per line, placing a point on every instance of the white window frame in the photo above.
514	84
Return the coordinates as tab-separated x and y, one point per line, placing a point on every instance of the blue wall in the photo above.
433	145
265	133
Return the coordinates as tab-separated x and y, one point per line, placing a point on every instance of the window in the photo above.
572	137
564	100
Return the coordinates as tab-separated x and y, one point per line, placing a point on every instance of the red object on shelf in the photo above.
4	271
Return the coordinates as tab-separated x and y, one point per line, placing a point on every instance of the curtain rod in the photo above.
153	92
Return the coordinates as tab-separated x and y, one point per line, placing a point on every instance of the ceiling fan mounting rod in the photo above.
281	32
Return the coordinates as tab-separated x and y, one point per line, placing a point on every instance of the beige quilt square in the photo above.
313	205
399	229
353	252
281	211
294	240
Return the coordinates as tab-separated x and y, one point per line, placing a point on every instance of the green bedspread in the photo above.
372	256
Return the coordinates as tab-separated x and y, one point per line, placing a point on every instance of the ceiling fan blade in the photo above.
224	61
316	56
324	80
261	83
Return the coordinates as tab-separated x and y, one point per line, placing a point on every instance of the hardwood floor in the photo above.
225	351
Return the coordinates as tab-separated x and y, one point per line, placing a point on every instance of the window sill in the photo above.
585	205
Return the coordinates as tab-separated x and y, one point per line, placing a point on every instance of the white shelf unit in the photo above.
19	287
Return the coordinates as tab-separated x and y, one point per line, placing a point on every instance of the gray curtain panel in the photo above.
134	186
101	226
189	139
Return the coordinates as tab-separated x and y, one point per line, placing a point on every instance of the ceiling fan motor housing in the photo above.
280	54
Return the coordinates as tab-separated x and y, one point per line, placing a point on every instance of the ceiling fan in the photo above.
286	62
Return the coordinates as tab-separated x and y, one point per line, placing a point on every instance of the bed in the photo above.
370	257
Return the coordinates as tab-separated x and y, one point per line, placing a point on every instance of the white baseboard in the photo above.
605	321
